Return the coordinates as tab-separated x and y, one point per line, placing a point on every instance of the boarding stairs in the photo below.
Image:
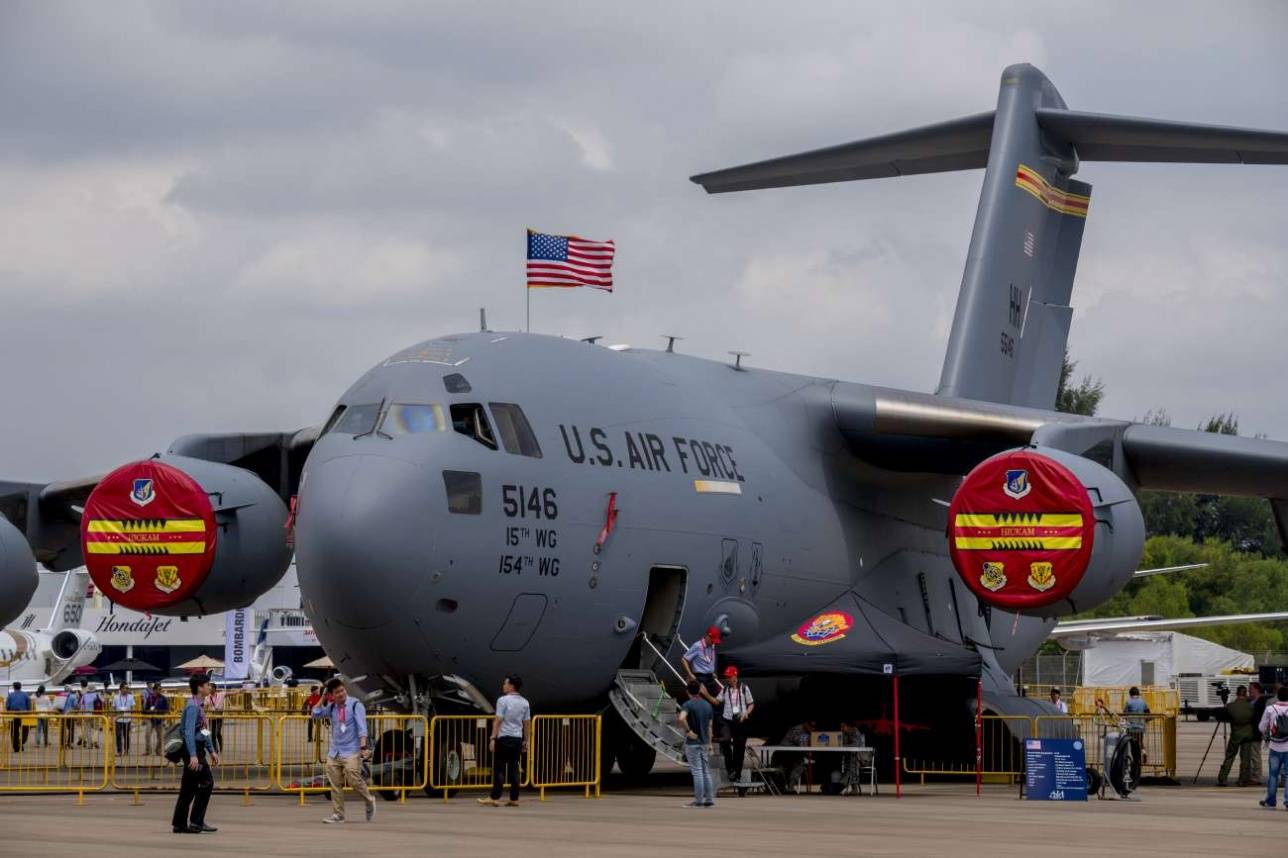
649	710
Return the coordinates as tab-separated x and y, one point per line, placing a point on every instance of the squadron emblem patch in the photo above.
993	576
823	629
143	492
1017	484
1041	576
122	579
168	579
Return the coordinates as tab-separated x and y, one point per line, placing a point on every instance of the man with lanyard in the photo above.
348	748
71	706
1058	703
510	730
700	664
90	704
155	706
17	701
198	756
736	705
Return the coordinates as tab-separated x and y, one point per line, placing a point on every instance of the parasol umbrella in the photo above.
129	664
202	662
323	662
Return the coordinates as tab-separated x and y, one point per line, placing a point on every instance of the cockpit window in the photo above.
408	418
512	426
456	383
332	420
469	419
356	419
464	492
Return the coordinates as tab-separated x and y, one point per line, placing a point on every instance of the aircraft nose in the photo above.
362	538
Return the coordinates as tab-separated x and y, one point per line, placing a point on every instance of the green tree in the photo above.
1082	398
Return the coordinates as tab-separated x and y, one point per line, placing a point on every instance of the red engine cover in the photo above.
148	535
1020	530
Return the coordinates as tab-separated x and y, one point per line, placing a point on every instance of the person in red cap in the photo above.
700	664
736	705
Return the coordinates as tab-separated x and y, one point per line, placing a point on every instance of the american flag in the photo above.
568	261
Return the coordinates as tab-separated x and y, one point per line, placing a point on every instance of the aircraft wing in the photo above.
48	514
903	431
1079	628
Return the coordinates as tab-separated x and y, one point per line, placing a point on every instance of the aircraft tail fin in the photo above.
1013	310
69	607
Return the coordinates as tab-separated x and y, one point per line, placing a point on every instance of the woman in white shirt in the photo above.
44	706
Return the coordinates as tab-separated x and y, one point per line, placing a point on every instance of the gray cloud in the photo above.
218	215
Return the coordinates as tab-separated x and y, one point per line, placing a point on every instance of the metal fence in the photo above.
1001	744
564	752
261	752
71	753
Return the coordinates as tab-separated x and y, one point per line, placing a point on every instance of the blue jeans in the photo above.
1278	760
704	789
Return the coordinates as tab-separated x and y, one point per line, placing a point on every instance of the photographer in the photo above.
348	748
1239	713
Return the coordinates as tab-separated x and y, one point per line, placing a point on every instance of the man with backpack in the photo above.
198	755
1274	726
348	749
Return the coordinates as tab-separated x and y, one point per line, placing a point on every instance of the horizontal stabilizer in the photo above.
1098	137
959	144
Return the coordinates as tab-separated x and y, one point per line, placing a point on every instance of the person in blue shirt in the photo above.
71	706
17	701
699	663
198	756
1135	705
348	749
155	706
695	720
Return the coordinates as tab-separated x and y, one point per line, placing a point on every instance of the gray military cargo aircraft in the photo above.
492	502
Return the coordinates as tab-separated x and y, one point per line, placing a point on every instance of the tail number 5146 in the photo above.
525	502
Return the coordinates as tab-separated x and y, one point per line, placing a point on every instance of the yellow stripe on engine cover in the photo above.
145	547
177	525
1035	543
1018	519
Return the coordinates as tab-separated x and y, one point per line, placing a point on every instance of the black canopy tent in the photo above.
851	636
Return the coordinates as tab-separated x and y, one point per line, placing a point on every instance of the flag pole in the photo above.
527	290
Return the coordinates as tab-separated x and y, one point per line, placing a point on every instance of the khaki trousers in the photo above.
346	771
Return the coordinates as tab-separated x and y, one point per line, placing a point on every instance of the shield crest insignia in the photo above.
143	492
168	579
1017	484
1041	576
122	579
993	576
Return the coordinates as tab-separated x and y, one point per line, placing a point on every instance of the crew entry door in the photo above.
660	618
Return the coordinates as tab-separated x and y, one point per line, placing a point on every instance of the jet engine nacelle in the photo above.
67	643
180	536
1044	533
282	673
17	573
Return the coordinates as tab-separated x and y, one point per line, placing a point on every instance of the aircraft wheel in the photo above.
634	758
1094	781
395	753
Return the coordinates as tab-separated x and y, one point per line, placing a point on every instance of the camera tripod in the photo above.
1224	694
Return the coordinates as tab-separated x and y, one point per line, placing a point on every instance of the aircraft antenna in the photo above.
737	359
483	319
670	342
592	340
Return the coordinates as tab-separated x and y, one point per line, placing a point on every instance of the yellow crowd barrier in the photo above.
399	759
263	752
73	754
246	745
564	752
1157	735
460	755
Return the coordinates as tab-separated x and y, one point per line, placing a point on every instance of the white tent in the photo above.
1129	658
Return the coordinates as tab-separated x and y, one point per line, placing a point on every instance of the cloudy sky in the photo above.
217	216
